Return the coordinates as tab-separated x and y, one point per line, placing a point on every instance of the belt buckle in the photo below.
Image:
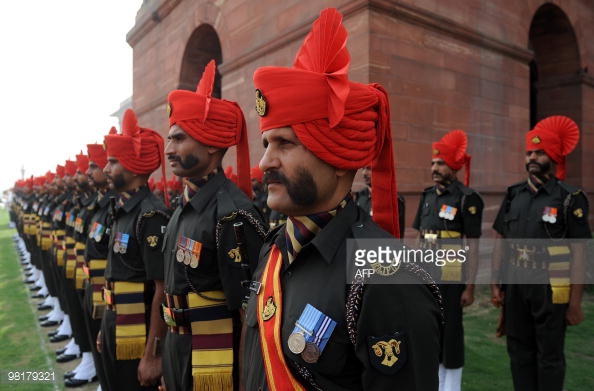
167	317
431	238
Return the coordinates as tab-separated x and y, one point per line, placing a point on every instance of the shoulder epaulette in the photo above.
569	188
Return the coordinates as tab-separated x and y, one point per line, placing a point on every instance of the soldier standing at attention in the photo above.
307	327
132	327
453	211
204	263
546	208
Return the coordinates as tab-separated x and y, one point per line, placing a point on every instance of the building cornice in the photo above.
149	18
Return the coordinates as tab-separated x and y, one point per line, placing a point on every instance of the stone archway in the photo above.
203	46
555	75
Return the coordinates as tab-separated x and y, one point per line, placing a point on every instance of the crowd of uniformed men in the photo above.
215	280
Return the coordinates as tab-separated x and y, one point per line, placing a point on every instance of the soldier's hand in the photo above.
467	297
98	342
149	370
497	295
574	314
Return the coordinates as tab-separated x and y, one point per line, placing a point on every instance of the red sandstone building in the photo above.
491	68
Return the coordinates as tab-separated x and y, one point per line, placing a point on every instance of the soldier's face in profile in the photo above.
187	157
440	172
117	176
298	182
96	176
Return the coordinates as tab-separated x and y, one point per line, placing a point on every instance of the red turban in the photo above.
39	181
60	171
452	150
214	122
70	167
343	123
49	177
82	162
97	153
557	136
139	150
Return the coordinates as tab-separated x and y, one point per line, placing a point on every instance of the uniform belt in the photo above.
181	310
440	234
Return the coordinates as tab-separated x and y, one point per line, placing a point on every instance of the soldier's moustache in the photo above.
189	162
274	177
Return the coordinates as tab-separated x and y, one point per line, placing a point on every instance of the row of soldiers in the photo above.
206	297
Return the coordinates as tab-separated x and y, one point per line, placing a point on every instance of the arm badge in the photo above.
387	354
152	241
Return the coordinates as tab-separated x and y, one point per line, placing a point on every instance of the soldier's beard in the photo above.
119	182
544	170
302	190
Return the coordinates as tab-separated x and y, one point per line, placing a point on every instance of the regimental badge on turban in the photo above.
452	149
558	136
261	107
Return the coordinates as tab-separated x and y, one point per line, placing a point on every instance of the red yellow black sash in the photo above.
278	374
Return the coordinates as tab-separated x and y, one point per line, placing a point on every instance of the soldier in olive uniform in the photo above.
204	263
541	207
95	256
306	326
132	326
451	210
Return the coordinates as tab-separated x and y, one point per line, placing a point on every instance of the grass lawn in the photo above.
22	347
487	363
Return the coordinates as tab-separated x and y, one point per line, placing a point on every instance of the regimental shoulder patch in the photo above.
388	353
235	255
152	241
579	213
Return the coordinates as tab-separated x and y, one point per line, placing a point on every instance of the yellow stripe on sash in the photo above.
451	271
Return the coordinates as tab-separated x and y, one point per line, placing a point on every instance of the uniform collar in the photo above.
548	186
201	199
135	199
332	237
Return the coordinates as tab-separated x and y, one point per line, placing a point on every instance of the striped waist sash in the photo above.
79	274
206	317
95	273
127	300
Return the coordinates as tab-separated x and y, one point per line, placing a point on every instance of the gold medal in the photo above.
296	342
116	247
311	353
179	255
